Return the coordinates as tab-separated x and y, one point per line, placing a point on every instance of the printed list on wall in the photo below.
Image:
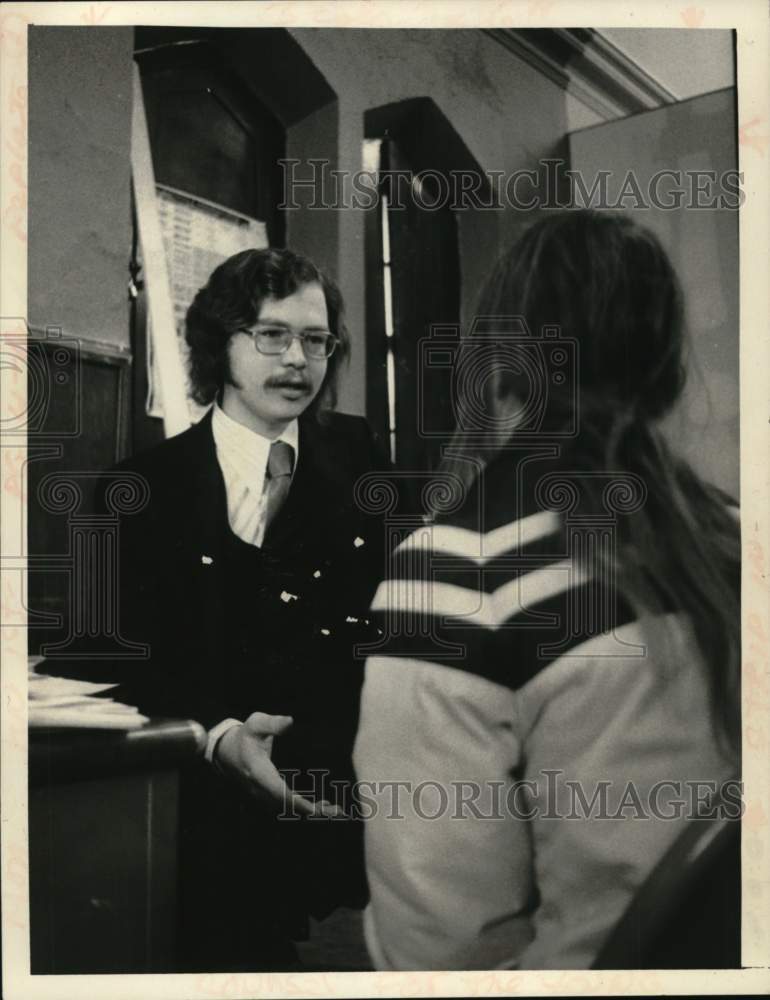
198	235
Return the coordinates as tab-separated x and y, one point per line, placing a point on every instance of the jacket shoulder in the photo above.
355	434
163	458
163	469
346	424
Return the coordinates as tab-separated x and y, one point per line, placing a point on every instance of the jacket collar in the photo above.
317	487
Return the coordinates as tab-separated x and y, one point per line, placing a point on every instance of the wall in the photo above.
79	247
579	115
507	114
80	180
80	106
686	61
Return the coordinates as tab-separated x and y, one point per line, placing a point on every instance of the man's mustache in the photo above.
287	383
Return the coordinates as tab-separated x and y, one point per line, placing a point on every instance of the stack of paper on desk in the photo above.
56	702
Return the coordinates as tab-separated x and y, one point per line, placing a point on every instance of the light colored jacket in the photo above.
517	870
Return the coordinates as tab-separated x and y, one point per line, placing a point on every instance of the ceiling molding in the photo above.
587	65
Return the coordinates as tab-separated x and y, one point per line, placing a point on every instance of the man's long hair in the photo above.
608	283
231	301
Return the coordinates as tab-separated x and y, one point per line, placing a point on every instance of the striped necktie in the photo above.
278	478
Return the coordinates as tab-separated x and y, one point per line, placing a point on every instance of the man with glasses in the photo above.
249	575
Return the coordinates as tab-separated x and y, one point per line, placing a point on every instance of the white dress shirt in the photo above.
242	455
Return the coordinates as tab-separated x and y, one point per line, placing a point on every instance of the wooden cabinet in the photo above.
103	847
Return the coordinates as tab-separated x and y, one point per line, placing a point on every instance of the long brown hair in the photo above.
608	283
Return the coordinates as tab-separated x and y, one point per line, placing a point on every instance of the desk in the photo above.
103	846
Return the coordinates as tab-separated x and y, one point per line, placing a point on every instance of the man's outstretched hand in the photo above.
244	753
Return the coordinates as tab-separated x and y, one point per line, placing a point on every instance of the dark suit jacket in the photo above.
321	550
276	638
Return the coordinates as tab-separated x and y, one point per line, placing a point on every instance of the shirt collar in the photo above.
246	450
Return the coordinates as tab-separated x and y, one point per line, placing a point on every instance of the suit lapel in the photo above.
319	494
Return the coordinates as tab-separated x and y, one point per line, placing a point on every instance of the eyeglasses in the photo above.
278	339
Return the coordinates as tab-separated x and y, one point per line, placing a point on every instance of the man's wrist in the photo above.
215	735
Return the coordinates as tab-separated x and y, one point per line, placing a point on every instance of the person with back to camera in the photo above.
591	580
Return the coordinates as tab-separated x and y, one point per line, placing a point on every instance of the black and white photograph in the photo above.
384	497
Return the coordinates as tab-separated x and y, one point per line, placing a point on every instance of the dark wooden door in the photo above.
425	292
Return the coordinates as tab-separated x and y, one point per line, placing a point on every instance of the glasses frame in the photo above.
301	335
